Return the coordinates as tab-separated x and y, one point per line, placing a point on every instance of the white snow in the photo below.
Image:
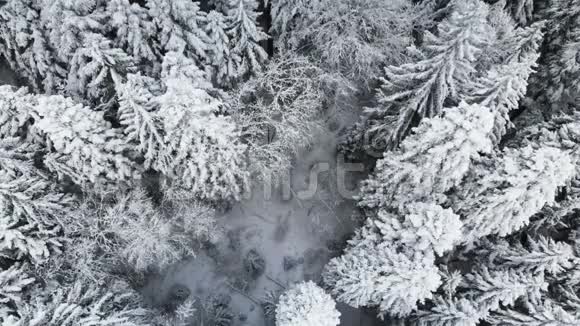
276	228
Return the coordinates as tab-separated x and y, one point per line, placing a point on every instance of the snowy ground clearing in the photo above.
294	237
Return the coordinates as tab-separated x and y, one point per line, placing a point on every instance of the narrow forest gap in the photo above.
295	238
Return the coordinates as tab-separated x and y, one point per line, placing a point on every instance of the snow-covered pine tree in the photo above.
306	304
529	261
246	35
128	237
419	89
379	276
80	32
279	111
354	38
503	200
79	304
33	241
401	197
508	289
432	160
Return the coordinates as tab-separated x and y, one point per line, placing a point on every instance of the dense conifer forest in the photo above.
289	162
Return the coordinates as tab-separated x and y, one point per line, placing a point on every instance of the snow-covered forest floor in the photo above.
290	238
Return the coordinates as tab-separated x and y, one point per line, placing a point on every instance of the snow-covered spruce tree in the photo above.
541	255
78	304
176	64
506	83
32	241
143	126
432	160
127	238
30	222
223	68
379	276
546	313
78	142
66	23
179	25
32	206
207	156
519	182
419	89
306	304
42	39
145	239
16	114
525	264
482	292
91	68
448	312
279	111
134	33
79	31
246	35
26	48
178	129
508	283
521	10
561	68
561	131
13	282
413	225
287	15
491	289
503	201
425	227
81	144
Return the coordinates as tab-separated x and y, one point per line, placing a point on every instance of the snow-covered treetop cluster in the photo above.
457	190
